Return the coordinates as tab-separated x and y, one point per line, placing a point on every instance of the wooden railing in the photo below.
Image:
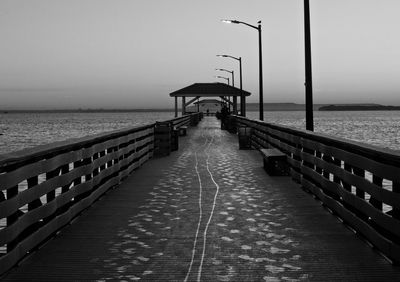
44	188
358	182
190	119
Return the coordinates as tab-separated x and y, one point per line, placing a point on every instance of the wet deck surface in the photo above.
208	212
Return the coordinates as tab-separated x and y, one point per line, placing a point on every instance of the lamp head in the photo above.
230	21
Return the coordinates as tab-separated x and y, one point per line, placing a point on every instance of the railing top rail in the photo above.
180	118
33	154
42	151
384	155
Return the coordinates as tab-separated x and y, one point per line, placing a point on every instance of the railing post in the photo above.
318	154
78	180
361	173
348	168
103	166
96	169
338	163
359	192
110	162
327	159
327	175
50	196
379	182
396	189
12	192
32	182
64	170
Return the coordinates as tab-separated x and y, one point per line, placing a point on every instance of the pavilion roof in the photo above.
214	89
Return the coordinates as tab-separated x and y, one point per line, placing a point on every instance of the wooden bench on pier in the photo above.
274	162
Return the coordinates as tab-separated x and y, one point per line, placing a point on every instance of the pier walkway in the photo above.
207	212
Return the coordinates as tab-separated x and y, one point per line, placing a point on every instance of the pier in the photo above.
146	204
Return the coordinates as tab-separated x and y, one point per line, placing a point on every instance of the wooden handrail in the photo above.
43	188
358	182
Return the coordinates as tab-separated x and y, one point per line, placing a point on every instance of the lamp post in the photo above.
234	99
308	70
258	28
231	72
242	97
223	77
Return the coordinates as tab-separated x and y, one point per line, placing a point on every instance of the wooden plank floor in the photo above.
208	212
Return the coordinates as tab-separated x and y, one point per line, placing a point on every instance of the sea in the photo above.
24	130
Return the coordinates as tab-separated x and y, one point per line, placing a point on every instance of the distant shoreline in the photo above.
359	108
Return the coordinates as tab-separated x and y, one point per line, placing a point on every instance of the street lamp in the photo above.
223	77
234	100
242	97
231	72
308	70
258	28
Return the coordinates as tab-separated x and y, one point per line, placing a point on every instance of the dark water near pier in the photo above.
24	130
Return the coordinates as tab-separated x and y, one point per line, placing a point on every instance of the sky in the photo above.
62	54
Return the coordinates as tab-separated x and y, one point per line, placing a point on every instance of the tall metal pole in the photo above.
308	70
242	97
261	73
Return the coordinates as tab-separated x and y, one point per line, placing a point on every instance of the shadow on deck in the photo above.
207	212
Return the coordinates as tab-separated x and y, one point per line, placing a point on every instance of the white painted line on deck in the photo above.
200	211
211	214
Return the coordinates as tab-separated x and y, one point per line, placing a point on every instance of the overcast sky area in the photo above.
58	54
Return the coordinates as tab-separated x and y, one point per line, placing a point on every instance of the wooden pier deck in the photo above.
207	212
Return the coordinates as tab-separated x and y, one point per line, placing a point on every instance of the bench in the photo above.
274	162
182	130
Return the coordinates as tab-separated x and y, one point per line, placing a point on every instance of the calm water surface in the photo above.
379	128
23	130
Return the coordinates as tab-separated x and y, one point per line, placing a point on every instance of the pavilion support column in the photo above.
235	111
176	106
183	105
243	108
